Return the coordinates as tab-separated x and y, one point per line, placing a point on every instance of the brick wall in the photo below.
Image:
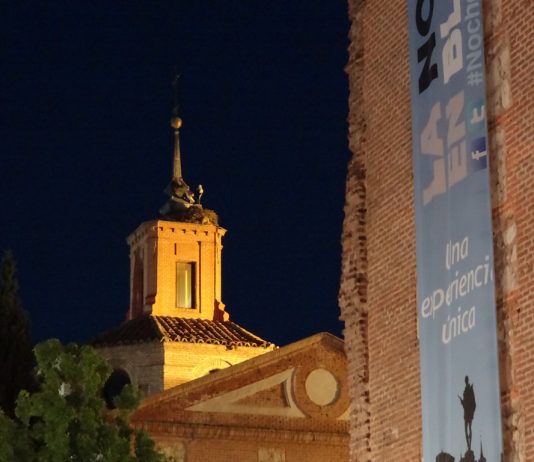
225	450
188	361
377	294
510	69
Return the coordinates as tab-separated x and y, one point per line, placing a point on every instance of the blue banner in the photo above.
455	280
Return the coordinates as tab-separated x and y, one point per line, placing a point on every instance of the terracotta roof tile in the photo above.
174	329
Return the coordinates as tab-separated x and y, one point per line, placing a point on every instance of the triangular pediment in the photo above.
269	396
292	386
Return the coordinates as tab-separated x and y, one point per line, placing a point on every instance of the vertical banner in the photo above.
455	281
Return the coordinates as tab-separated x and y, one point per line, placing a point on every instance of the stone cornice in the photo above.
196	431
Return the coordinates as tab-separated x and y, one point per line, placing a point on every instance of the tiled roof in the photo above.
174	329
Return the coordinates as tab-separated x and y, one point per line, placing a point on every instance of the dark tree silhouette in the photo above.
16	357
66	418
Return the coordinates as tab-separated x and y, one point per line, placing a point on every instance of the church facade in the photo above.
290	404
215	391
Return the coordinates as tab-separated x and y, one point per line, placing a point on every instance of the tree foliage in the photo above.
66	419
16	358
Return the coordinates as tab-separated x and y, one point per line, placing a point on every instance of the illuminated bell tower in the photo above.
176	260
176	328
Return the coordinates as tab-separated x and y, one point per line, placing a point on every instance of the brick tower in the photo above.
176	261
176	328
378	284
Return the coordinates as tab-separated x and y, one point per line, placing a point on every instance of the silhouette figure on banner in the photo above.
469	404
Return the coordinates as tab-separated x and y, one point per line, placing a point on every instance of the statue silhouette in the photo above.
469	404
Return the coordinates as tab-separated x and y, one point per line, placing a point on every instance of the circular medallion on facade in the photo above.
322	387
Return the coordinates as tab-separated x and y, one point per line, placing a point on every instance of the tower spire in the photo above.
181	205
180	196
176	123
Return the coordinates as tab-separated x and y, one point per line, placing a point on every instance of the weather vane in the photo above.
175	82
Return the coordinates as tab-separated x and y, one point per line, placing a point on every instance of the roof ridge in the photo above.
178	329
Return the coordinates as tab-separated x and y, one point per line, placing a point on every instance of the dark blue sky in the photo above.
86	151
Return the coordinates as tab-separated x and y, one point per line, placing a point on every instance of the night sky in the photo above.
86	151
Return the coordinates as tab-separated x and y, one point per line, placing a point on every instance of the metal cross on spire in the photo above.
175	81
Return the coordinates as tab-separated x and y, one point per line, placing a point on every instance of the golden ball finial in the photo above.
176	123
